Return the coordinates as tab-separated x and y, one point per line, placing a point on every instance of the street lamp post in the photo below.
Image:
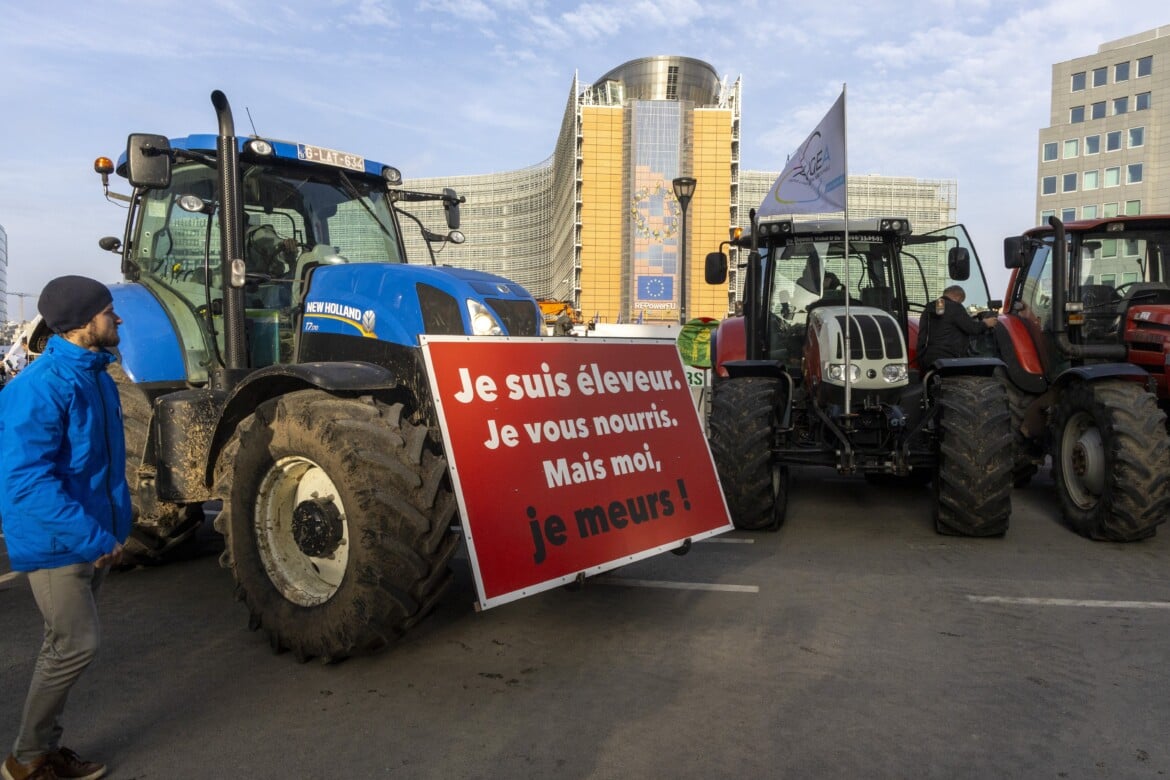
684	188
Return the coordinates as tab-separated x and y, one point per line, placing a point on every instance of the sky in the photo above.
936	89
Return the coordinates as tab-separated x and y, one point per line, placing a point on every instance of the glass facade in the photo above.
597	223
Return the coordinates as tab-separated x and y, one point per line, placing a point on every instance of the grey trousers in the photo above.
67	600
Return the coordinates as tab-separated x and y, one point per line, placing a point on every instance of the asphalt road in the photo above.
854	642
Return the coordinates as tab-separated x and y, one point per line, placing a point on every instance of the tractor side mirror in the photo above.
959	263
1015	252
715	270
148	161
451	203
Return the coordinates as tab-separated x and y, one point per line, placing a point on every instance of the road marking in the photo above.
10	576
1070	602
725	540
632	583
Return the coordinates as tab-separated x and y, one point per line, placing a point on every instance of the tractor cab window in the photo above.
295	219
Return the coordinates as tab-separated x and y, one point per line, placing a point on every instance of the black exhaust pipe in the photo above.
231	242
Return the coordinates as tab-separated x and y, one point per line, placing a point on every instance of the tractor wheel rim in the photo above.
1083	461
303	579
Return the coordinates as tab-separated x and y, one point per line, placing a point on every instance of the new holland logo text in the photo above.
362	320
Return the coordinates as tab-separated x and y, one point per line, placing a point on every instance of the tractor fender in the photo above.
335	377
1020	357
1098	371
728	344
149	348
970	366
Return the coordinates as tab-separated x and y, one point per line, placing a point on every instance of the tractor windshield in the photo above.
812	272
296	218
1107	259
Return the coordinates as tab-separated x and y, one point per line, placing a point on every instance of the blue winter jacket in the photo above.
63	493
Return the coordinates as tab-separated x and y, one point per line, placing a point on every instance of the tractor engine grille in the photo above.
871	337
517	315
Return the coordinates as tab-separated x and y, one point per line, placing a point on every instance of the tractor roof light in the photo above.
259	147
778	228
103	165
392	175
897	225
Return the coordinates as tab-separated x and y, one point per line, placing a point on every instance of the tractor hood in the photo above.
878	357
396	303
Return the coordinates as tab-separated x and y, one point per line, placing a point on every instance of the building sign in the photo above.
570	456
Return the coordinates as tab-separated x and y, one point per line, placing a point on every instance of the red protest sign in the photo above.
570	456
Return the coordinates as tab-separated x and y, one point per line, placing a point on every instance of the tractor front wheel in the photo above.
1110	460
973	469
742	428
337	514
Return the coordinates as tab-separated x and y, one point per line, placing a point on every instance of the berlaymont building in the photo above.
597	223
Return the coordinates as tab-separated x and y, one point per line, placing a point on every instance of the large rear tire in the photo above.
1111	460
742	429
160	527
337	514
973	470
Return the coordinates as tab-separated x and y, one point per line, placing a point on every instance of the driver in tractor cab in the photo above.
269	255
945	328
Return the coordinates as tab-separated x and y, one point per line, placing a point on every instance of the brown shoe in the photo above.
66	763
37	769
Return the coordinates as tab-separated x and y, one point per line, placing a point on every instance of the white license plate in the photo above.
325	156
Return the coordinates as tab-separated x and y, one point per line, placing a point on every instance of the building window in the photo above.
1046	215
1112	177
1092	144
1068	215
1069	182
1133	173
1137	137
1048	154
1076	114
1109	210
1048	185
1100	77
1133	208
1141	101
1145	65
1120	105
1071	148
1078	81
1097	110
1089	212
1113	141
1121	72
1091	180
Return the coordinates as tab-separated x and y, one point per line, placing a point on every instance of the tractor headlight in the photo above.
837	372
894	372
483	322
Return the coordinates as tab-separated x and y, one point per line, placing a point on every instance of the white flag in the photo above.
813	181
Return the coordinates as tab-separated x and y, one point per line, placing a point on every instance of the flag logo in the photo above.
655	288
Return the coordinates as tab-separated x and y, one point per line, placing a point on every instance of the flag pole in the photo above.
848	285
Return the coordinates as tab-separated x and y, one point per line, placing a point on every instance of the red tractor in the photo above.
1086	345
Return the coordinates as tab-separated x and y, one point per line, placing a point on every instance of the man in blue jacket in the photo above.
64	505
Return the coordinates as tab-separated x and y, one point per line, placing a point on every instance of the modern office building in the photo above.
598	224
1107	150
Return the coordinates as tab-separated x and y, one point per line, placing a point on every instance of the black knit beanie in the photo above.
70	302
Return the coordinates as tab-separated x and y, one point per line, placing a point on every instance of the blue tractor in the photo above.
270	359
